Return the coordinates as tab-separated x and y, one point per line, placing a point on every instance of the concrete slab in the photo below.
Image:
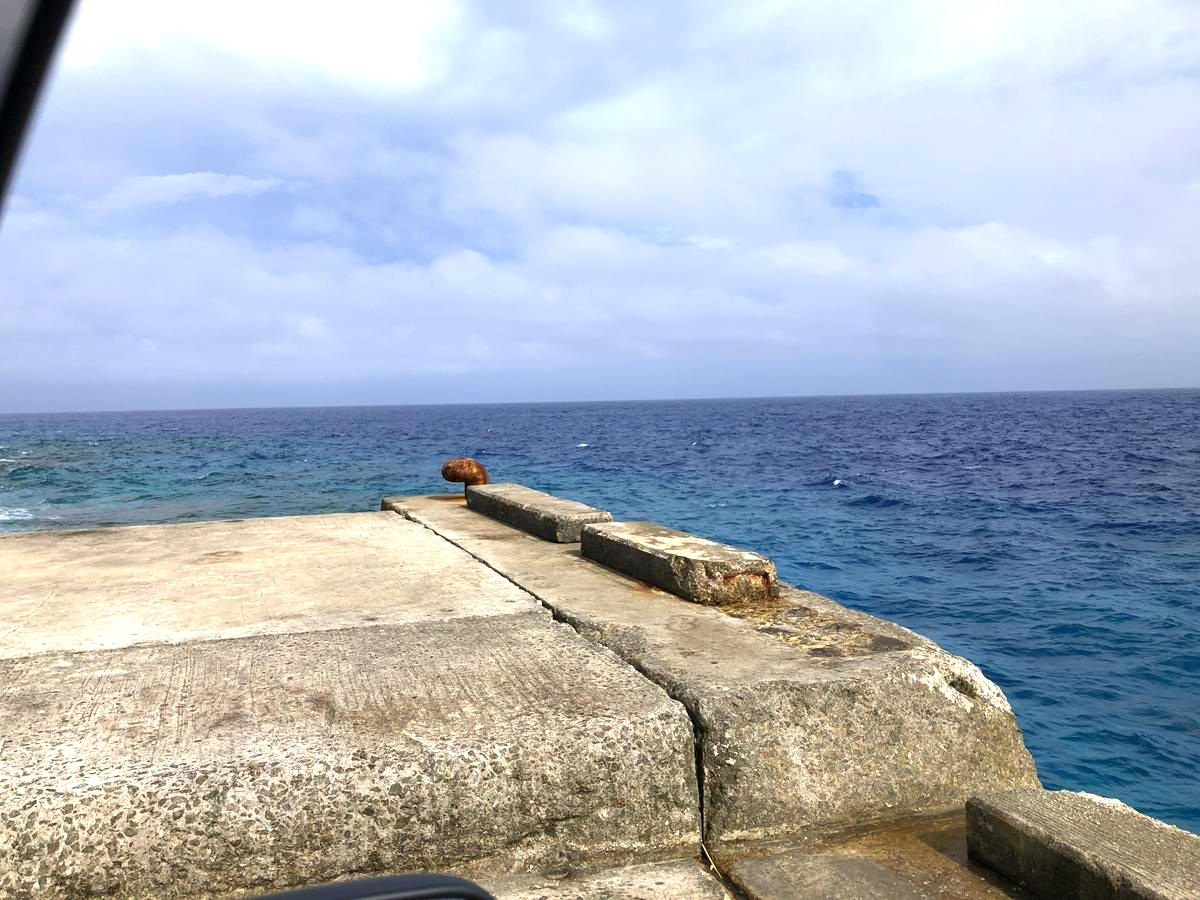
651	881
199	709
114	587
550	518
691	567
1067	844
175	770
808	715
922	858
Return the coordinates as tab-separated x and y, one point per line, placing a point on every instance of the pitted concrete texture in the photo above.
196	710
550	518
914	859
114	587
808	715
261	762
692	567
1067	844
682	879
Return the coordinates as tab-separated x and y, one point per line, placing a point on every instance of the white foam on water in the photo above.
581	445
14	513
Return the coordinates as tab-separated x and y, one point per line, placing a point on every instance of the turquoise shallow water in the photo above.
1052	538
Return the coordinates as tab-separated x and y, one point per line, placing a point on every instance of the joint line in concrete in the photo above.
697	742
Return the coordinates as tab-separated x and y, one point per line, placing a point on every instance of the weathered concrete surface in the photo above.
922	858
549	517
807	714
471	731
113	587
682	879
692	567
1067	844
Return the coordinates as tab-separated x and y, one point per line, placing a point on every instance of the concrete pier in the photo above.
229	707
807	715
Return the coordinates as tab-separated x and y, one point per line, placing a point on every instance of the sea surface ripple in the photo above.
1054	538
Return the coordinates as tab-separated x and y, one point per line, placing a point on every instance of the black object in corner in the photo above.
391	887
29	32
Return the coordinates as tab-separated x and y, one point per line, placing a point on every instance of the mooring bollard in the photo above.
468	471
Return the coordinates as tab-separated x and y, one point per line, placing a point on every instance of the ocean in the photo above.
1052	538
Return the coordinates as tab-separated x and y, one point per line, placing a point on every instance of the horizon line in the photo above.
303	406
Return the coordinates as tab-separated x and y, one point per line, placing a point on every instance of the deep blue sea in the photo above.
1054	539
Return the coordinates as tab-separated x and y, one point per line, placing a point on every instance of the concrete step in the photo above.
691	567
922	858
1068	844
461	727
806	714
550	518
686	879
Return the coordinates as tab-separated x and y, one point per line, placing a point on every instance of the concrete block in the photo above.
691	567
1067	844
211	708
807	714
550	518
255	763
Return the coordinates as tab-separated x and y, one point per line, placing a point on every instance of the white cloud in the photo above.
569	189
391	45
163	190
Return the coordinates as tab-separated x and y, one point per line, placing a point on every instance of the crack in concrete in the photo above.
697	729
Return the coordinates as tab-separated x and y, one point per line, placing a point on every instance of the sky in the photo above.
284	203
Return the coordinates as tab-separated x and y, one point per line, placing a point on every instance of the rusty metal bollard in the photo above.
468	471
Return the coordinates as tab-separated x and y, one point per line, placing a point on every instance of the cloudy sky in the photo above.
265	202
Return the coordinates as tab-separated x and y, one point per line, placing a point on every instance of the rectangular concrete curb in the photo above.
692	567
550	518
1067	844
